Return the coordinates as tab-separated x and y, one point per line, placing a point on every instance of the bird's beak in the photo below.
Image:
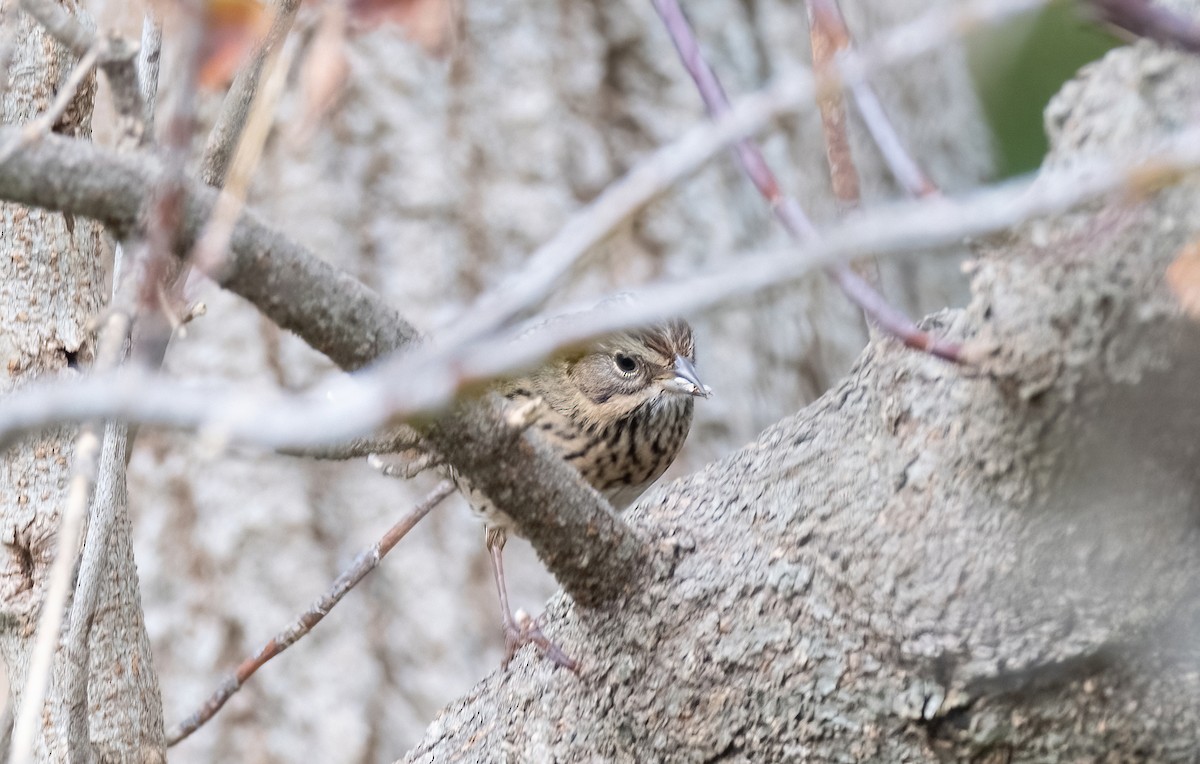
686	380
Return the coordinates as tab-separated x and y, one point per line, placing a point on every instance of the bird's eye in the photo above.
626	364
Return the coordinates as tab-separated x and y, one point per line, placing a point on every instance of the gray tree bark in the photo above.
52	286
930	562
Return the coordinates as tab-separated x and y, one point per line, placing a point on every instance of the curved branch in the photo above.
353	325
329	309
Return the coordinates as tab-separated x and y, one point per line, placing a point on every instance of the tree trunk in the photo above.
52	286
973	564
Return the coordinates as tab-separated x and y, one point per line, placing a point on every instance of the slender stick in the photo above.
209	252
364	563
826	15
235	109
828	39
793	91
422	382
1153	21
786	209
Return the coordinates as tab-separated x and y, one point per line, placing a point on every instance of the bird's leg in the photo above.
519	629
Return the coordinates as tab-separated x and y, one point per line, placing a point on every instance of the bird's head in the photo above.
648	366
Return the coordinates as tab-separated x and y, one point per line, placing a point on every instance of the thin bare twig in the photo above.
235	110
1143	18
891	146
828	38
157	329
786	209
402	439
209	251
364	563
168	198
426	379
792	91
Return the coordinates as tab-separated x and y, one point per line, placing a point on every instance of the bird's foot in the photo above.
523	630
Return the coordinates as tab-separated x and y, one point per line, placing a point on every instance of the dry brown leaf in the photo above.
429	23
1183	277
232	29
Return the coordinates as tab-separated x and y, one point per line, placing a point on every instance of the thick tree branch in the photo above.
478	440
341	318
594	554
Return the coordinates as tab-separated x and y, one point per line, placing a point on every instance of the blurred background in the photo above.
1017	66
452	145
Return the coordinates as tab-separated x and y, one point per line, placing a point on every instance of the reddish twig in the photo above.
364	563
717	103
786	209
1143	18
828	38
825	18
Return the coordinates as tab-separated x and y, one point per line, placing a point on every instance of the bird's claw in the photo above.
523	630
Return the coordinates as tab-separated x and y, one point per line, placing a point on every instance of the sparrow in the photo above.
618	412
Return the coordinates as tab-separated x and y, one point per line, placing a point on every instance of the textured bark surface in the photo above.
996	564
432	180
52	284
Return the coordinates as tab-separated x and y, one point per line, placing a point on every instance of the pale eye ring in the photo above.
625	364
